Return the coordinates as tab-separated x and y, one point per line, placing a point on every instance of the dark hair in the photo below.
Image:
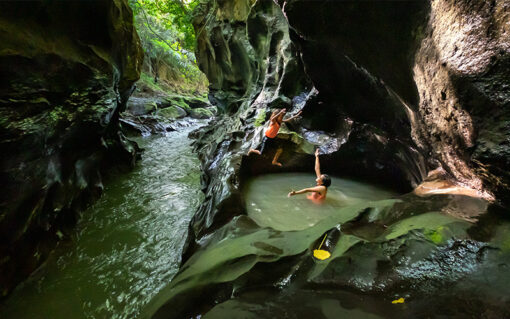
326	180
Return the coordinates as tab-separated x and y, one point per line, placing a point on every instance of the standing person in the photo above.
323	182
275	121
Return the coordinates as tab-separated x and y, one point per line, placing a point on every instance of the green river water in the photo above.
126	247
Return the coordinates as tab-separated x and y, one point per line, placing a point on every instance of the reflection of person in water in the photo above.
323	182
270	134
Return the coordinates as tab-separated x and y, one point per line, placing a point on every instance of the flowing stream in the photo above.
126	247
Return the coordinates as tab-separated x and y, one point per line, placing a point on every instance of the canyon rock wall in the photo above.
244	49
394	91
462	72
67	71
446	63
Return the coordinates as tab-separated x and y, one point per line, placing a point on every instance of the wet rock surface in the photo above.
462	71
409	247
67	72
421	72
161	113
368	77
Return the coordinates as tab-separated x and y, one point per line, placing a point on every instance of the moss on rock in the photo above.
172	112
201	113
67	71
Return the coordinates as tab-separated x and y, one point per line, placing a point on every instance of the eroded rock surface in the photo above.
462	72
245	50
67	71
391	90
444	65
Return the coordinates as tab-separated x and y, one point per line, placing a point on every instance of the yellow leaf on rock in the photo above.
321	254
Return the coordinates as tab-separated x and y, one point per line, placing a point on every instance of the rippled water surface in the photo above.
268	204
126	247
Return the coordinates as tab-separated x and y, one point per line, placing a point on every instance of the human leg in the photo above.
276	156
259	149
253	151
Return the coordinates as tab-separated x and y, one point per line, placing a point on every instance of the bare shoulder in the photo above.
319	189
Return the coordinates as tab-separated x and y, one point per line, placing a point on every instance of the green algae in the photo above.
172	112
260	118
201	113
433	223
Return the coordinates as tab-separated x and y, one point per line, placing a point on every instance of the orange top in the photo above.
316	197
273	129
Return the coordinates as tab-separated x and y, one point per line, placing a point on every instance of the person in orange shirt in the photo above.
275	121
318	193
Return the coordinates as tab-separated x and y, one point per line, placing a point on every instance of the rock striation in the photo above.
67	71
444	63
395	91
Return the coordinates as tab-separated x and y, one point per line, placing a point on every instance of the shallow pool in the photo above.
268	205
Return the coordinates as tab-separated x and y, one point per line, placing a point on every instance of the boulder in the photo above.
187	101
201	113
172	112
141	106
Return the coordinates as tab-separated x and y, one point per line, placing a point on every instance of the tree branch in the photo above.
154	32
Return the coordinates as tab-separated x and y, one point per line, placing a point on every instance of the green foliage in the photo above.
174	15
148	81
168	38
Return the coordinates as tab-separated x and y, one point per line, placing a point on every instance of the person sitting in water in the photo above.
275	121
323	182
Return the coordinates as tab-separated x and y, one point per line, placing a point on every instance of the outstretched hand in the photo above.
292	193
316	152
293	117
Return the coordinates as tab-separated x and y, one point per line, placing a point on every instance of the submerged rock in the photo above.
67	72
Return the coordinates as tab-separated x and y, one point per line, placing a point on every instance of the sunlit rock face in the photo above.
446	67
462	72
67	71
